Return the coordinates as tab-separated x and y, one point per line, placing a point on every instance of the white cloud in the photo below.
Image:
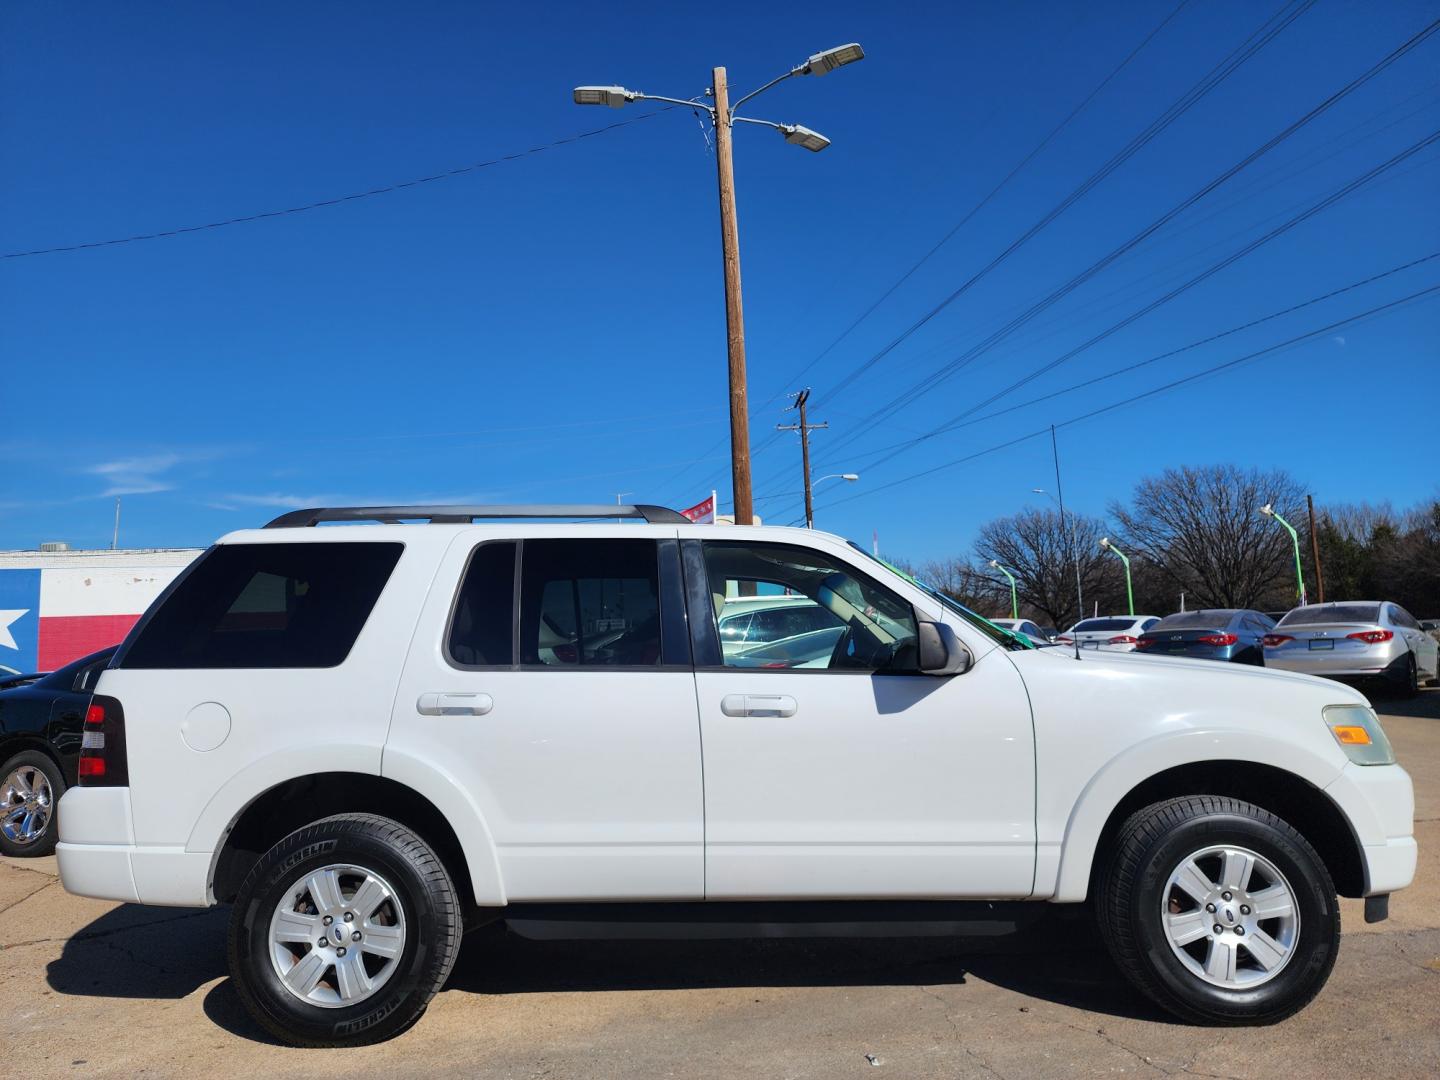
1339	340
136	475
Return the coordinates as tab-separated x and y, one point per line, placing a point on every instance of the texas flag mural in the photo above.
702	513
49	617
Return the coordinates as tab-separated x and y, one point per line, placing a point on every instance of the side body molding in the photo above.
1127	770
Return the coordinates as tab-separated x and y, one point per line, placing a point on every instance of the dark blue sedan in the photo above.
1234	634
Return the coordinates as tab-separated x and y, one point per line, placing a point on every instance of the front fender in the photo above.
1132	767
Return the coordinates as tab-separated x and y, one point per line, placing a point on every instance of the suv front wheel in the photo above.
343	932
1219	911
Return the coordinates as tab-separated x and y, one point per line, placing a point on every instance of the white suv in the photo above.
365	737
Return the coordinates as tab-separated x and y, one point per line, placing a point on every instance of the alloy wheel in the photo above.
1230	916
26	804
337	935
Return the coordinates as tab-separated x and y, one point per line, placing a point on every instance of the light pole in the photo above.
723	118
1269	511
1129	592
1014	600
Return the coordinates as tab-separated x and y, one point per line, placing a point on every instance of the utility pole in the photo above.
1315	549
804	427
734	310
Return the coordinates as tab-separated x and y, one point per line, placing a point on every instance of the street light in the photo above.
723	118
850	476
1014	600
1269	511
1129	592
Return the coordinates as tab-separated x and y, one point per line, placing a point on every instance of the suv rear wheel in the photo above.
1219	911
343	932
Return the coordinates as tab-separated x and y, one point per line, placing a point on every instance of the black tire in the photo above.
1411	687
431	917
30	762
1133	886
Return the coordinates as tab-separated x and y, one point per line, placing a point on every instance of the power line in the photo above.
1213	78
1177	109
338	200
1207	372
1137	365
945	371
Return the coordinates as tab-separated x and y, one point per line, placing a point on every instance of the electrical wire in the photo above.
947	370
1214	369
338	200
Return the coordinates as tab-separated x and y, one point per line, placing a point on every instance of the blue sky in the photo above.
552	328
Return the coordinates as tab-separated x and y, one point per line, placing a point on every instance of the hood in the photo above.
1271	679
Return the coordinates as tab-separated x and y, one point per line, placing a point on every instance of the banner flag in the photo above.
702	513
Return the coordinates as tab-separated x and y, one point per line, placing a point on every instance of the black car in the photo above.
1234	634
42	719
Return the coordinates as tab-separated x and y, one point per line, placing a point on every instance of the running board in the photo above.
724	920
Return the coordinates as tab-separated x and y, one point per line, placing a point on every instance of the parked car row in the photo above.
1363	641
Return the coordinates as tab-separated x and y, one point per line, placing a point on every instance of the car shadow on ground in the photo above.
131	953
1425	705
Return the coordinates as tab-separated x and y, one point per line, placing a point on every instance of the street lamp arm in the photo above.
763	123
676	101
773	82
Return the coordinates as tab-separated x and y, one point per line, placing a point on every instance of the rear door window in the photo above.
266	606
590	603
482	626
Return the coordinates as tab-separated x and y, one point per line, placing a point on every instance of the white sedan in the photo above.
1109	633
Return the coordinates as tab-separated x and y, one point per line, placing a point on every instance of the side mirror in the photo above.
941	651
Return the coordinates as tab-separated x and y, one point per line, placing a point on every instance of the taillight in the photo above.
1147	642
1272	641
1123	639
1063	640
1371	637
102	746
1218	639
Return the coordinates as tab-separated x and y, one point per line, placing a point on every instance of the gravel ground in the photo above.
102	989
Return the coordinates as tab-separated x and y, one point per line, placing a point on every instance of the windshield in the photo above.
1332	613
1194	620
997	634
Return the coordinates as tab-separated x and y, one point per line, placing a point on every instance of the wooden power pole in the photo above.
1315	549
804	427
734	311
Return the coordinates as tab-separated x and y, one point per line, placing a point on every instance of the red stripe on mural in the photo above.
68	637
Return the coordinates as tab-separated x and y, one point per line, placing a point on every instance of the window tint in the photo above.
266	606
1401	617
482	627
589	603
832	618
1330	613
1097	625
1196	620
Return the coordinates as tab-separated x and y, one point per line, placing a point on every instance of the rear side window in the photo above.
266	606
590	603
482	628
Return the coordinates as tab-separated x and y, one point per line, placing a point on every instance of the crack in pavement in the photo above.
978	1057
27	896
95	935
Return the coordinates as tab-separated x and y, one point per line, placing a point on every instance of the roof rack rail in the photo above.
438	515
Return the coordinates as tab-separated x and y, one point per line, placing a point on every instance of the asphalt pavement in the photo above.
92	988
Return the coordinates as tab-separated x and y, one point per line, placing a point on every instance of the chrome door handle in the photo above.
454	704
758	705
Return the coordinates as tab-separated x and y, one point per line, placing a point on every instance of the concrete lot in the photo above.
94	988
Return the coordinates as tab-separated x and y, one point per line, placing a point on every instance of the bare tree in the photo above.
962	580
1201	528
1041	551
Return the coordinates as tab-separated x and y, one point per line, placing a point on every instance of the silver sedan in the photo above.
1355	640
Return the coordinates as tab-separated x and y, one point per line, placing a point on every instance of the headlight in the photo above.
1359	734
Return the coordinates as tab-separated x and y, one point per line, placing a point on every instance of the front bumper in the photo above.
1379	802
98	855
